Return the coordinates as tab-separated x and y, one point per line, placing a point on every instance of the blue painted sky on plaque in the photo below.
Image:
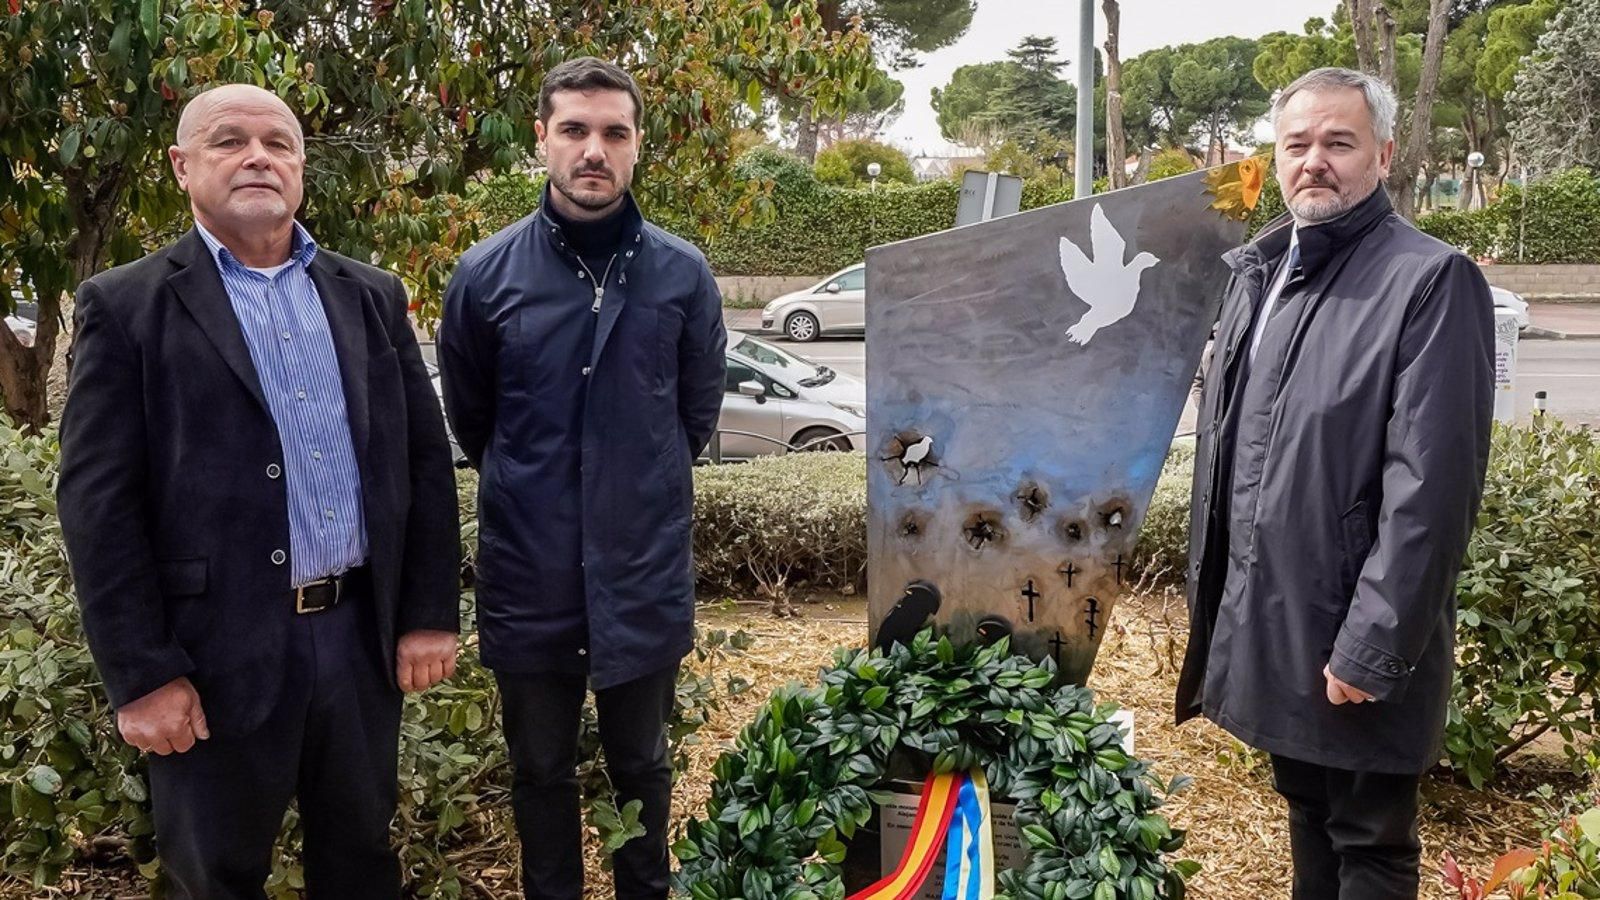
1024	379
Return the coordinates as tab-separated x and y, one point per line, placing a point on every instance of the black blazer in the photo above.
172	497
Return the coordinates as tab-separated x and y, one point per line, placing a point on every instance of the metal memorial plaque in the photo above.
1024	379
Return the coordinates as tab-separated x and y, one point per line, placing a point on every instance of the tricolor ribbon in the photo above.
954	813
969	851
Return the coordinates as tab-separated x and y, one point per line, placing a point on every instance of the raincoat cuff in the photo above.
1369	667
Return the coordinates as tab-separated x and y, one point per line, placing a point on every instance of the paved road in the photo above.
1569	371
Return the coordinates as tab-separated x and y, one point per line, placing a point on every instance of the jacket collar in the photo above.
632	230
198	284
1318	243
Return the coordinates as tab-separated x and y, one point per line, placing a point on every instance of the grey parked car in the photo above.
775	401
835	305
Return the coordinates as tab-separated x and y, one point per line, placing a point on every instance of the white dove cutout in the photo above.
1109	286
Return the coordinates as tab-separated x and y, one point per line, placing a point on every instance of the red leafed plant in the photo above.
1469	888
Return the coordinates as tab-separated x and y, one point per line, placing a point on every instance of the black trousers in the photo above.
542	714
1353	835
331	742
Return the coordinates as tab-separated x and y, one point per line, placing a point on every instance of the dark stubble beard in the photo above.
587	200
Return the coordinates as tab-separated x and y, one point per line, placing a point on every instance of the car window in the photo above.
769	355
739	373
853	280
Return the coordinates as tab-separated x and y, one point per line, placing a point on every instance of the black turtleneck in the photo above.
595	241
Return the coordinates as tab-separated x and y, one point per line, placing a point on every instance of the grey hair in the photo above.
1381	104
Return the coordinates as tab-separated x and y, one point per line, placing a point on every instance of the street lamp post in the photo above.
873	171
1084	184
1474	162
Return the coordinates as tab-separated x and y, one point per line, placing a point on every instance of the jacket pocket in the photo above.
182	577
1355	536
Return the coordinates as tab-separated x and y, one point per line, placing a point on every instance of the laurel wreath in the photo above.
802	778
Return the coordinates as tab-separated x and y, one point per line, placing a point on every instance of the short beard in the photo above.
1312	212
593	201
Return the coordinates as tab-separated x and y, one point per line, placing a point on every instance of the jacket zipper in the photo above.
599	286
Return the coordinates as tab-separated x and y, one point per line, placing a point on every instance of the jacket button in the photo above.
1394	667
278	556
273	471
582	652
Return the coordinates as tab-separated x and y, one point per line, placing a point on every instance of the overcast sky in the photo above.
1146	24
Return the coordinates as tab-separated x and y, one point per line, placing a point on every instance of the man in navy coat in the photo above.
260	513
582	359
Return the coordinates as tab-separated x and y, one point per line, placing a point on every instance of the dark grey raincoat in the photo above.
1335	488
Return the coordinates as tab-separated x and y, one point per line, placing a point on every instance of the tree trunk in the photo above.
806	142
1388	35
1360	12
25	371
1403	175
1141	172
1116	143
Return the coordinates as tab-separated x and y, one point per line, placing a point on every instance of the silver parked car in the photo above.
775	401
835	305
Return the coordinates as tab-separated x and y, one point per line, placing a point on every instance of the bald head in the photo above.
203	110
240	156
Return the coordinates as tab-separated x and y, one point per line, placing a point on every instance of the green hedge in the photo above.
781	522
1553	220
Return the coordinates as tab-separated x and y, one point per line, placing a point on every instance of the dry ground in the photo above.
1235	821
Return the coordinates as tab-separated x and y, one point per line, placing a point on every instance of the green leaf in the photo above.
1589	824
44	779
1109	861
69	145
874	699
149	20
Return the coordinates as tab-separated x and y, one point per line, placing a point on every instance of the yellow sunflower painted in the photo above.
1236	187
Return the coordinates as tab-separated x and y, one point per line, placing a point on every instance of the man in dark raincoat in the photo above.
1344	434
582	360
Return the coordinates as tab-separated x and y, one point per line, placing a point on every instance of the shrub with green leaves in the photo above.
1551	220
802	778
1162	553
845	163
1528	638
75	788
777	521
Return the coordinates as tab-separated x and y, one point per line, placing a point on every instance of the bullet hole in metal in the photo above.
913	524
983	528
1032	499
1071	530
908	452
1114	513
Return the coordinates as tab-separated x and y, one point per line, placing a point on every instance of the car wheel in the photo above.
801	327
821	439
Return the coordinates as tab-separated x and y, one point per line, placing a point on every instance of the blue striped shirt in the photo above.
287	332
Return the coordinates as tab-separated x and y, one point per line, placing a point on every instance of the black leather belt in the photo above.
325	594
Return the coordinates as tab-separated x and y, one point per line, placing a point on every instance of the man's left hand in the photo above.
1341	692
424	658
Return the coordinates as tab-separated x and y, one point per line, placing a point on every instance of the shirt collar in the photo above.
302	249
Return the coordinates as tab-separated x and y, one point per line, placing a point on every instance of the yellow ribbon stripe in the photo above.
934	810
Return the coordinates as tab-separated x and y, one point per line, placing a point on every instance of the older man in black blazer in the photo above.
260	513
